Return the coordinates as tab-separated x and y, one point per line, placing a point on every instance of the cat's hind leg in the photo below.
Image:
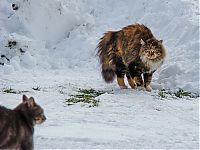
135	77
120	81
120	72
131	81
139	81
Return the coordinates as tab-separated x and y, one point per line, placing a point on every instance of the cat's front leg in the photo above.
27	147
27	144
147	81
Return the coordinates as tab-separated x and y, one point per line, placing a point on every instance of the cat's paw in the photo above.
149	88
141	88
123	87
133	84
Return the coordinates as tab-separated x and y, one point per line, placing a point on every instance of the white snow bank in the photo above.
48	21
70	29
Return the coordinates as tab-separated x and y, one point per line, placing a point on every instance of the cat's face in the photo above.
36	112
38	115
151	49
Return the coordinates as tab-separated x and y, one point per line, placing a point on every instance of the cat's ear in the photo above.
24	98
142	42
31	102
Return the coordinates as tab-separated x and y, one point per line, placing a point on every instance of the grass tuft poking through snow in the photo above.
13	91
180	93
85	96
9	90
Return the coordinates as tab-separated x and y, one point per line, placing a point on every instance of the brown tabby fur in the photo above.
17	125
132	51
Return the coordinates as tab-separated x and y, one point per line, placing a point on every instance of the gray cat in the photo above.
17	125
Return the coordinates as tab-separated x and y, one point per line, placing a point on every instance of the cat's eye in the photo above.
158	46
158	53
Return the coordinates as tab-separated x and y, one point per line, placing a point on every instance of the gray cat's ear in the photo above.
31	102
24	98
142	42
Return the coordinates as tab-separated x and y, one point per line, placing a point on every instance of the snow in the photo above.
124	119
55	50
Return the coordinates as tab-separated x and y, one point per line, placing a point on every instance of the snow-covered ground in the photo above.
55	50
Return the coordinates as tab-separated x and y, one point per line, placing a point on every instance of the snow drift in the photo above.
63	34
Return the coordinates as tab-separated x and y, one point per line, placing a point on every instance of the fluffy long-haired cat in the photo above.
132	51
17	125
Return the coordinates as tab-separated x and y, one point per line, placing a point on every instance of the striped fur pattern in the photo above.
132	51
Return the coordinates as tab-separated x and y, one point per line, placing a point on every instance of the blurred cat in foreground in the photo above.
17	125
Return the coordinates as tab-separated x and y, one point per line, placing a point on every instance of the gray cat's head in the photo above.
33	109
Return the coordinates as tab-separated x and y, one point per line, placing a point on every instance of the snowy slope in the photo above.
65	34
55	50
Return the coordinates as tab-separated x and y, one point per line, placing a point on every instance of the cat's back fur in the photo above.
14	128
122	42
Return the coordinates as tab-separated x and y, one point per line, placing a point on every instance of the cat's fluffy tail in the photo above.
108	73
106	55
